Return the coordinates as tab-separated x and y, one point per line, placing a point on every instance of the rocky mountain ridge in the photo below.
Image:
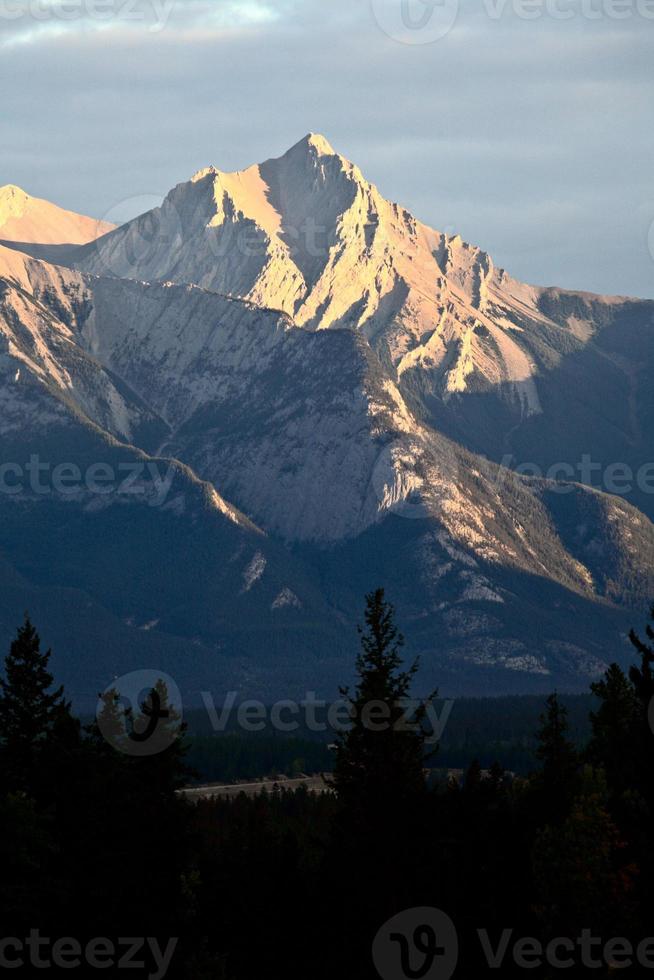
333	384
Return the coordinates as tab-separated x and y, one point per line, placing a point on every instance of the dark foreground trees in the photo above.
95	842
32	712
380	760
92	839
381	788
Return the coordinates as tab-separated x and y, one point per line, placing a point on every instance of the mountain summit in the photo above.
306	234
28	220
334	384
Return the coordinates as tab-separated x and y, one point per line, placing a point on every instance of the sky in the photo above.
526	126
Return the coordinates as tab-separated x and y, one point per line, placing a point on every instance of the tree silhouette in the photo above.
643	677
581	876
30	711
108	730
615	729
382	755
381	788
166	770
560	762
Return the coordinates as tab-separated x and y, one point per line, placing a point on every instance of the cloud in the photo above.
33	22
532	138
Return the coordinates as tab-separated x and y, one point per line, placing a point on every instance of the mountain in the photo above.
332	384
125	557
533	376
28	220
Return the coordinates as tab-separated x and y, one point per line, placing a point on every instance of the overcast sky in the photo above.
527	126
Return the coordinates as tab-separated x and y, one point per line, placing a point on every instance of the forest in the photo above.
390	873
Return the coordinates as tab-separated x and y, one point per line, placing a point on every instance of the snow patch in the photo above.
286	599
254	571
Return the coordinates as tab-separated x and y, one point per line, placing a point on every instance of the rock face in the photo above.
332	385
124	557
308	235
516	372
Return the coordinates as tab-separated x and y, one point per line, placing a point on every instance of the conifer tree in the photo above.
30	710
623	727
108	731
473	776
559	760
165	770
582	877
382	822
615	729
160	828
643	677
381	756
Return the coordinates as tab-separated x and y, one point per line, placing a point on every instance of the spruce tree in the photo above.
381	756
381	832
559	760
583	878
615	730
643	677
473	776
108	731
30	710
623	745
160	829
164	767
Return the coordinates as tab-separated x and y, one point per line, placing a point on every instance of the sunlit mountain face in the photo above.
313	393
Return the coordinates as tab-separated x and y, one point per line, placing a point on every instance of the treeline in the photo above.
486	729
234	758
512	719
96	842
